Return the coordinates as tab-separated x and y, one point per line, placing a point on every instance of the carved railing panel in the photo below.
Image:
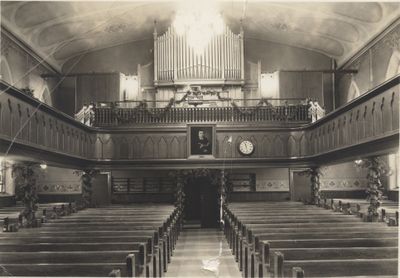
28	121
370	117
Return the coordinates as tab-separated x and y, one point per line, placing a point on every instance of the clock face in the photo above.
246	147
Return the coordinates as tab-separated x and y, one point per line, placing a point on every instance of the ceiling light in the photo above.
200	21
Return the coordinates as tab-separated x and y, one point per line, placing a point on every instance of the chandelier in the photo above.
200	22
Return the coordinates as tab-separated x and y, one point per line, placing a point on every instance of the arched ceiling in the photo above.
59	31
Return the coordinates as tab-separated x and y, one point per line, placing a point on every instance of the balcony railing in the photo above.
116	116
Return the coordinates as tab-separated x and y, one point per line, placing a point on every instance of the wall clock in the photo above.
246	147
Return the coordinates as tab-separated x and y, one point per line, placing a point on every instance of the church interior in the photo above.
214	138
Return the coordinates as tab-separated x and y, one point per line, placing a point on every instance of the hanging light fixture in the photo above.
200	21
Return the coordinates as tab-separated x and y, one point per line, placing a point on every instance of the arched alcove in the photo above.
5	70
394	65
353	91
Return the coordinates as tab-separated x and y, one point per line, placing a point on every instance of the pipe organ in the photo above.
177	63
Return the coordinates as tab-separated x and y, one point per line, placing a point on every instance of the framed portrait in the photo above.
201	141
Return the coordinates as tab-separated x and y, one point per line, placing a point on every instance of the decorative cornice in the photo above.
28	50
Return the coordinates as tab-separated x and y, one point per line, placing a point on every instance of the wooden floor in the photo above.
195	247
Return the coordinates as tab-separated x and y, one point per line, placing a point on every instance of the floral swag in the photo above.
160	113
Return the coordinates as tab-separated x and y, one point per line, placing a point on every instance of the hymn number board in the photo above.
142	185
243	182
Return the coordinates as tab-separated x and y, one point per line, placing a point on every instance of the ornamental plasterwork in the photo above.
392	40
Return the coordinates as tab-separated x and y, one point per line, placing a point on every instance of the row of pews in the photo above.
11	218
290	239
119	240
388	210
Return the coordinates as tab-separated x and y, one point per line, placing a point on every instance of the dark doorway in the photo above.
101	192
300	187
201	202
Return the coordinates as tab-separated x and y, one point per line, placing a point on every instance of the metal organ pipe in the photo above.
175	60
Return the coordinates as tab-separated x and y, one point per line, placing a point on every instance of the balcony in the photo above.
118	114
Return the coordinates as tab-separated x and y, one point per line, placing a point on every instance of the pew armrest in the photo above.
131	266
115	273
278	264
297	272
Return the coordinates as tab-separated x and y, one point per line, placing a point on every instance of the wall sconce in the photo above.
43	166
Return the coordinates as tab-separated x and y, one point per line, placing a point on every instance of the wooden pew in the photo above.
301	236
85	236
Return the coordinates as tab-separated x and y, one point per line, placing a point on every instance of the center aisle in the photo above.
202	253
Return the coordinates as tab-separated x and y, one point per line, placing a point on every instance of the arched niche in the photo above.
394	65
5	70
353	91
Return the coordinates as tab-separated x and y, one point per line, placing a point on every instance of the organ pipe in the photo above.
221	60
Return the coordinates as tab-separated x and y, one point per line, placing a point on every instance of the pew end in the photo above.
278	264
9	227
265	253
392	222
297	272
115	273
132	265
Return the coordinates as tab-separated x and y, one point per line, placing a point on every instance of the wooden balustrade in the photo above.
107	116
365	125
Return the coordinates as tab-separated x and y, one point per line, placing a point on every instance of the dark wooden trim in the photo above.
11	90
21	151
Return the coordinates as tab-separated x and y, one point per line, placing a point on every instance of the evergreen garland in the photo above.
25	175
376	170
217	178
87	176
158	114
314	173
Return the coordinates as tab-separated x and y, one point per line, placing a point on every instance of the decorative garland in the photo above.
87	176
217	178
143	107
376	170
314	173
25	175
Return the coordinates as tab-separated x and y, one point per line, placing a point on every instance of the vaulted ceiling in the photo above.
58	31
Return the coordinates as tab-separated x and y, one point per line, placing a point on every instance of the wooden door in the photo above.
101	191
300	187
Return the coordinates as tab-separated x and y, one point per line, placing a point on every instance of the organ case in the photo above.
176	63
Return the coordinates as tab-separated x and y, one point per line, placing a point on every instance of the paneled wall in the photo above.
260	56
97	87
360	122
